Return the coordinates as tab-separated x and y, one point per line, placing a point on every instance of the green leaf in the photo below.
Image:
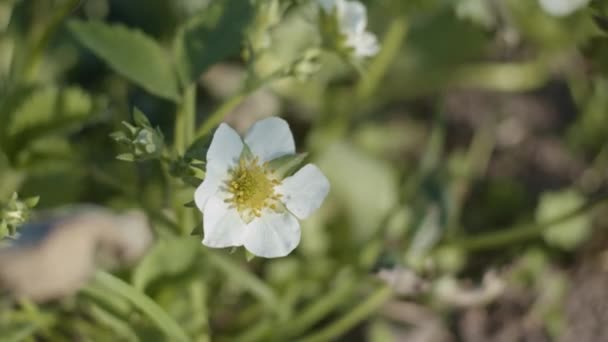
249	256
197	231
140	118
31	201
247	280
198	149
46	112
10	102
18	332
366	186
211	36
144	303
50	108
567	234
169	257
120	137
285	165
116	325
131	53
128	157
190	204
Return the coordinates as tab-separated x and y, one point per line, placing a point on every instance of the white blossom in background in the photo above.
562	8
351	17
245	202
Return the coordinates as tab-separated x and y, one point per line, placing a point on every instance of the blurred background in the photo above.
468	166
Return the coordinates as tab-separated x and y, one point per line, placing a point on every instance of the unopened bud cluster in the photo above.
142	140
14	213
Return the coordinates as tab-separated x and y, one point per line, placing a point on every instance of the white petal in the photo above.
272	235
352	17
208	188
270	138
327	5
366	45
225	149
304	192
222	225
561	8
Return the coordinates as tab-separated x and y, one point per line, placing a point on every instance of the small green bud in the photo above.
143	141
14	213
268	15
306	66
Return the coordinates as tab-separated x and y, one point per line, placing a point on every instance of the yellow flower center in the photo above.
252	187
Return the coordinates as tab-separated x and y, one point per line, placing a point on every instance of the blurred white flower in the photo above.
244	200
562	8
351	17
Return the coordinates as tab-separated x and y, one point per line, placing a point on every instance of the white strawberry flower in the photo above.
351	17
245	202
562	8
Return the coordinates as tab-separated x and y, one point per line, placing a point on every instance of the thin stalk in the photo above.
32	60
229	105
248	280
478	158
184	136
145	304
218	115
521	232
391	45
185	120
319	309
352	318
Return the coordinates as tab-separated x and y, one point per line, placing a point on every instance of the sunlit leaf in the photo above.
147	306
168	257
211	36
48	111
131	53
366	186
569	233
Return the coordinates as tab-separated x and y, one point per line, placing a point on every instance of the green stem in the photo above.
240	276
391	45
352	318
32	60
185	120
144	303
198	295
258	332
184	136
229	105
521	232
218	115
320	308
478	158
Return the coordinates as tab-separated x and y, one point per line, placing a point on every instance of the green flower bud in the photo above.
14	213
142	140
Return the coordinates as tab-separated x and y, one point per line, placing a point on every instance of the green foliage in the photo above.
14	213
44	112
212	35
143	141
143	303
354	178
474	141
569	233
132	54
167	258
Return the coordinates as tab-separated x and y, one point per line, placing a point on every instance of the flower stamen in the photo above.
252	188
